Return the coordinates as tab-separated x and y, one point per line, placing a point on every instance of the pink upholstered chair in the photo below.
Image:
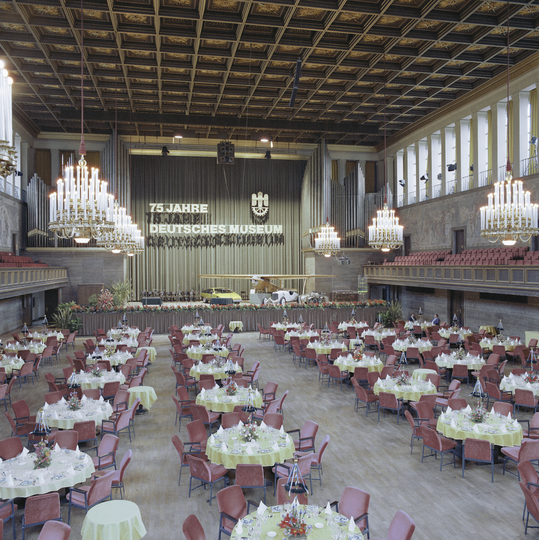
528	451
197	437
118	476
67	438
362	395
437	444
232	508
316	462
207	473
530	479
388	401
274	420
230	419
525	398
192	529
55	530
88	496
106	452
416	429
251	475
402	527
282	470
479	451
306	436
354	503
39	509
10	447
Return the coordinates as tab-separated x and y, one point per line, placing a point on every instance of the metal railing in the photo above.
451	186
529	166
485	178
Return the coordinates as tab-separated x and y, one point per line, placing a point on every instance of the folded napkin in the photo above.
62	401
528	385
237	367
83	398
351	525
449	410
24	452
453	423
216	387
263	425
215	399
9	480
468	409
414	388
249	449
57	448
40	478
54	415
239	527
46	406
476	428
77	451
240	424
70	471
388	378
261	508
100	399
281	431
328	510
503	429
224	447
509	417
234	399
515	423
203	392
212	439
220	430
275	447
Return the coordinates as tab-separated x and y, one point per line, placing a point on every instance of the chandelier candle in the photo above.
385	233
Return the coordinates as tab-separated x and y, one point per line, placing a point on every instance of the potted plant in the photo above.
392	314
121	291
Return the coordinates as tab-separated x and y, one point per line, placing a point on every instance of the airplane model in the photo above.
262	284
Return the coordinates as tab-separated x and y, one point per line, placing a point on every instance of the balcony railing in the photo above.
530	166
18	281
485	178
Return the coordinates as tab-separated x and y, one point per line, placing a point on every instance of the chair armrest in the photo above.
335	504
123	404
528	485
102	457
227	516
83	491
294	431
249	504
107	422
362	516
306	439
266	398
286	466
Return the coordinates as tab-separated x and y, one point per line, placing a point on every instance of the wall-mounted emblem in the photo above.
260	207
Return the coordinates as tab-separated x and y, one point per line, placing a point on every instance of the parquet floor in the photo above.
362	452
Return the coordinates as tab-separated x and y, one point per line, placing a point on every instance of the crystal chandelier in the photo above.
327	243
385	233
125	237
81	208
8	153
509	215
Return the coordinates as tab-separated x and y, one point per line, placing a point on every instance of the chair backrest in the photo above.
40	508
504	409
424	409
230	419
477	449
274	420
457	404
402	527
20	409
109	444
55	530
53	397
192	529
354	502
434	378
249	474
101	488
455	384
284	497
197	431
126	459
85	430
10	447
232	502
68	438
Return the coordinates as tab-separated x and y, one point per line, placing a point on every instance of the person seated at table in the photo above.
412	318
436	319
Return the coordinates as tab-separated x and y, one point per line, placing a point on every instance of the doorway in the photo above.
459	241
456	307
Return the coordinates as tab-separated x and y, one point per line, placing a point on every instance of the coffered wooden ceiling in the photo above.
225	68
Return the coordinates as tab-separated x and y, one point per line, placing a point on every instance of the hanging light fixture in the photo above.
8	154
385	233
509	215
327	243
81	208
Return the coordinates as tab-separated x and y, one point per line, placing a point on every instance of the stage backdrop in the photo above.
223	234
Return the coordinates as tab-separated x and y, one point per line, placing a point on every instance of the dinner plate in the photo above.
26	483
248	521
235	451
265	451
354	537
282	445
79	467
276	508
342	520
57	477
319	525
312	508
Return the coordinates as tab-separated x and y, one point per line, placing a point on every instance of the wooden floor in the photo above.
362	452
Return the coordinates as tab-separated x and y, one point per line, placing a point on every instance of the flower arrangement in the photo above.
109	350
460	354
249	432
478	414
403	379
231	388
105	301
358	355
74	403
293	523
43	455
96	372
532	378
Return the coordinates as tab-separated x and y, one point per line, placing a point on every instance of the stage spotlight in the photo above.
164	151
268	154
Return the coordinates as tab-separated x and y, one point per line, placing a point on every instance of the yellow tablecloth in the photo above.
465	429
43	337
403	345
113	520
509	344
195	337
32	347
115	333
91	410
347	363
345	325
227	403
378	336
56	476
490	329
10	367
286	327
217	372
189	329
510	384
117	359
235	325
421	373
151	352
146	394
195	353
325	349
463	334
88	381
236	453
302	335
473	363
315	515
406	393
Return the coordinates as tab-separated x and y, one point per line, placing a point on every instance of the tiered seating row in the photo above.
8	260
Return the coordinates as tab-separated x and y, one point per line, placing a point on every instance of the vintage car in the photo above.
220	292
282	297
313	298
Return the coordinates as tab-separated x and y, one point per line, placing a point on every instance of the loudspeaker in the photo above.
221	301
225	153
151	301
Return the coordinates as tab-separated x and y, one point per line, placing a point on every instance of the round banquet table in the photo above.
463	334
509	344
36	348
286	327
195	353
205	338
421	373
409	392
490	430
218	372
66	418
345	325
489	329
410	325
449	360
402	345
43	337
226	403
88	381
302	335
146	394
189	329
151	352
66	469
8	366
235	326
323	348
315	515
263	451
113	520
511	383
347	363
115	359
115	333
378	336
